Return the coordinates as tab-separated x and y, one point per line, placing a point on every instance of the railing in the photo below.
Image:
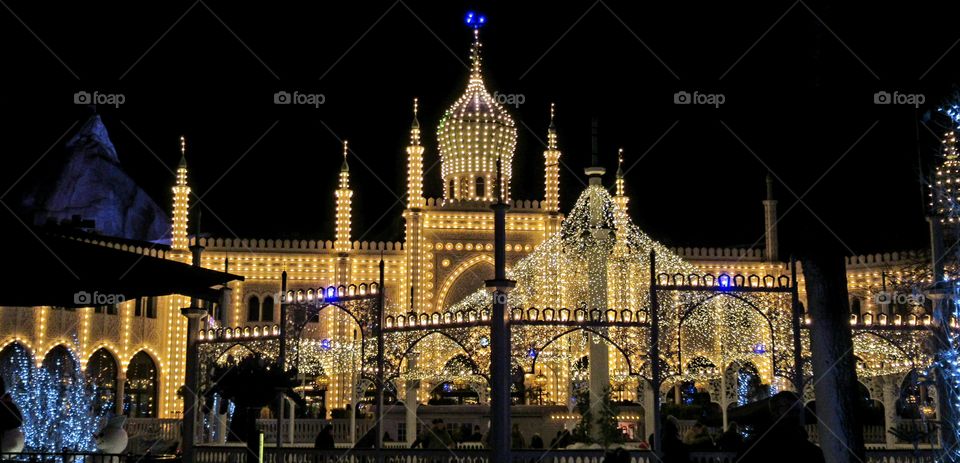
305	430
872	434
154	428
307	455
71	457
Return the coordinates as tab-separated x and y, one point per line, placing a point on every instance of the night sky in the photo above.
798	79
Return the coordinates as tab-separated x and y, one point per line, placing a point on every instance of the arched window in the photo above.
266	309
855	306
140	390
61	362
453	188
10	357
480	187
253	309
102	374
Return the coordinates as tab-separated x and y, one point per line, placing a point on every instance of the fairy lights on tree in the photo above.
58	405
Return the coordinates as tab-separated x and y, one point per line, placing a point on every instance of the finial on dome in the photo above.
475	21
345	167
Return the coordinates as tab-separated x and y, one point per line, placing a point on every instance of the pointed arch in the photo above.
591	330
456	273
141	390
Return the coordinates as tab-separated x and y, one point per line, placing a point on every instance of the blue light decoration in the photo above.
447	387
759	348
56	402
484	341
743	388
532	353
953	112
325	344
475	20
724	282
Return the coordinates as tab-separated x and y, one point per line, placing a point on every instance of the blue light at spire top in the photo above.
475	20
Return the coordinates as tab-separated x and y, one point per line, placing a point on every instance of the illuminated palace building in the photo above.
720	348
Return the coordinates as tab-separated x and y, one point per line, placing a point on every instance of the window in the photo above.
253	309
453	188
401	431
138	307
855	306
480	187
266	309
140	390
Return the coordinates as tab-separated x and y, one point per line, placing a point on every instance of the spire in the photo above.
595	171
415	163
415	125
620	198
551	155
552	130
344	206
181	203
183	151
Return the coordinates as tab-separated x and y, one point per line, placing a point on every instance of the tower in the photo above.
474	133
413	215
621	197
551	197
770	223
343	195
945	202
181	203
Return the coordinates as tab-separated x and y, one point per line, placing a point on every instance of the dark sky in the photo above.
798	78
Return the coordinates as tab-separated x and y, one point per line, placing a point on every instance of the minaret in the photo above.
770	223
415	164
621	198
343	195
413	241
551	198
181	203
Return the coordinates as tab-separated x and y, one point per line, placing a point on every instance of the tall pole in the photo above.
655	352
500	335
282	356
191	375
797	315
380	366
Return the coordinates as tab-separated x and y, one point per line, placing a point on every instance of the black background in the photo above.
798	77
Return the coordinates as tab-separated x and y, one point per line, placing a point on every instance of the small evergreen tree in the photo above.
581	433
607	425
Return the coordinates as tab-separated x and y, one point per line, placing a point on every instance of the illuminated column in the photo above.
891	390
343	195
551	198
181	203
597	278
770	222
410	400
648	405
621	198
